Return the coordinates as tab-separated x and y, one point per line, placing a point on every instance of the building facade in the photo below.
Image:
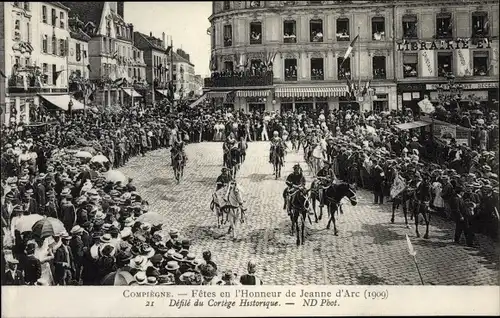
301	45
78	59
34	56
198	85
183	75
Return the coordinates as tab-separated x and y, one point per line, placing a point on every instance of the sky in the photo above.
186	22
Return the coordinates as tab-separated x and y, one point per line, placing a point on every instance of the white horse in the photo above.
228	202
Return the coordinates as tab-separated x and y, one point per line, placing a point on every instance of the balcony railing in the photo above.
317	77
239	80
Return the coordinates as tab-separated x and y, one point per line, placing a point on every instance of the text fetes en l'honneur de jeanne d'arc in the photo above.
246	298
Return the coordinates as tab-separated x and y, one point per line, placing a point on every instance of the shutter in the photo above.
42	44
461	24
492	17
428	26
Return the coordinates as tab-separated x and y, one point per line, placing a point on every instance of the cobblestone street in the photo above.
368	250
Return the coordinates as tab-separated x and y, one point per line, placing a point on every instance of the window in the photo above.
28	32
380	103
45	71
317	69
480	24
289	31
379	67
27	62
62	47
290	69
61	20
444	63
26	6
228	65
226	5
54	74
254	4
44	14
54	17
45	44
255	33
17	30
410	65
54	45
228	35
343	29
378	28
480	63
316	30
444	26
344	69
78	53
410	26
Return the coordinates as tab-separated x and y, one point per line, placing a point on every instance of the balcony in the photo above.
239	80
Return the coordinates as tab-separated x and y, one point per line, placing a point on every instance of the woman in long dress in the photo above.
44	252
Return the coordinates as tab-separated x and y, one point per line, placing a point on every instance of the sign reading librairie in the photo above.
456	44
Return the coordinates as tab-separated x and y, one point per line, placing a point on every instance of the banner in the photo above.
426	61
398	186
463	58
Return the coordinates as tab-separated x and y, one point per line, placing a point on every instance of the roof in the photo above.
148	39
87	11
59	4
80	35
412	125
177	58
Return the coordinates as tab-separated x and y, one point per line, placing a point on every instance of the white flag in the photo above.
410	247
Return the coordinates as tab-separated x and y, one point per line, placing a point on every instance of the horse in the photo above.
333	195
242	146
178	165
227	201
232	161
277	156
314	195
422	197
299	207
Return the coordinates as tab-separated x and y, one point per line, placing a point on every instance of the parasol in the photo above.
118	278
116	176
99	158
48	227
476	112
26	222
83	154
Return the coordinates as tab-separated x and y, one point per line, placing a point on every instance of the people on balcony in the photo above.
344	35
317	36
291	72
317	73
481	70
379	73
343	73
378	35
255	36
410	70
289	37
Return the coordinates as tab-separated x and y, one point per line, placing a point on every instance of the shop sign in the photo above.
451	45
411	87
466	86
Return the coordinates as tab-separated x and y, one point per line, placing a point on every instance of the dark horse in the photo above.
299	207
332	196
422	198
232	161
277	156
242	146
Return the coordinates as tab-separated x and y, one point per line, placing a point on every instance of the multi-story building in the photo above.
110	49
155	55
434	39
34	57
304	42
198	85
183	75
78	59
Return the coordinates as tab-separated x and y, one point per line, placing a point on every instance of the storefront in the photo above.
299	98
17	108
409	94
485	93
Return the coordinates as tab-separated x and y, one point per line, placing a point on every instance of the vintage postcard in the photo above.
284	157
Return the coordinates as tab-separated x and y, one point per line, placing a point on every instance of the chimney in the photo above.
151	34
163	39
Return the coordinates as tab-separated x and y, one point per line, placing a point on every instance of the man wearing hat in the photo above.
155	266
250	278
68	212
29	204
41	193
64	262
7	208
12	276
31	265
462	217
223	179
325	177
185	244
294	181
77	249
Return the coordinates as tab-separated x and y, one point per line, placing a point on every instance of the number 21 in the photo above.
150	303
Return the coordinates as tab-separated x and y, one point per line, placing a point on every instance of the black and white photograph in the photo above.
250	143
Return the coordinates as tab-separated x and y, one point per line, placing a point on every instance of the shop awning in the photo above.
198	101
311	91
131	92
253	93
412	125
62	101
215	94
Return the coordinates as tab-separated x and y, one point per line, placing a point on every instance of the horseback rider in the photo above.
229	144
325	178
223	179
294	181
275	142
177	147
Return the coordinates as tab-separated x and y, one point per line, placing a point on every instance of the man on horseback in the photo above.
325	177
229	144
223	180
178	148
294	181
276	142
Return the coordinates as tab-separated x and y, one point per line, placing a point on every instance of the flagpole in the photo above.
418	270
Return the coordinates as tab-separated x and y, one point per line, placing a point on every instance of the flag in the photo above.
367	86
56	74
410	247
3	74
115	55
426	106
397	186
119	82
169	48
349	50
